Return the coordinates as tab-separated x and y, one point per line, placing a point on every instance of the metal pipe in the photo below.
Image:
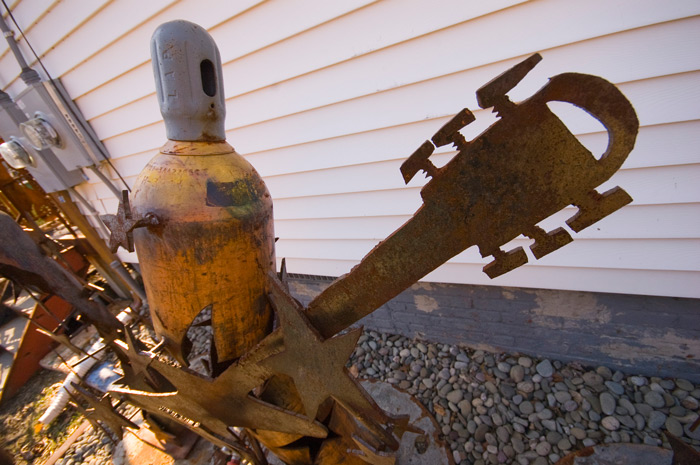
28	75
118	267
106	180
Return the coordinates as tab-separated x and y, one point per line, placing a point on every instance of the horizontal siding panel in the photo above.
116	20
27	13
661	100
407	201
634	222
643	282
658	145
565	22
134	49
49	31
627	56
662	184
667	144
236	37
643	254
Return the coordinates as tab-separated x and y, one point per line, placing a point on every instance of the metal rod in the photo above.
133	285
105	180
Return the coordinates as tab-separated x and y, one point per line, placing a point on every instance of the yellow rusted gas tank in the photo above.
214	243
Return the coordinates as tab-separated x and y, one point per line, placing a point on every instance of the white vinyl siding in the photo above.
327	98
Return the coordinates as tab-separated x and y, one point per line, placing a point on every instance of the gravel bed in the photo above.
507	408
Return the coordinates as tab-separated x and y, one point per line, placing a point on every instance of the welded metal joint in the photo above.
123	224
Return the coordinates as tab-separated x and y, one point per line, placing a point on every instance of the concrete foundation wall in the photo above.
641	334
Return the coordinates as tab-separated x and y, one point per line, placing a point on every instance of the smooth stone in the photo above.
428	383
654	399
610	423
507	390
503	366
562	396
455	396
578	433
570	406
545	369
638	381
604	371
526	387
525	362
684	384
677	411
465	407
480	433
526	407
517	444
674	427
591	378
564	444
553	437
543	448
616	388
656	420
551	425
517	373
626	420
691	403
667	384
503	434
644	409
607	403
627	405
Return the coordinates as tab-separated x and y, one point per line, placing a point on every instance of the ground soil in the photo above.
19	415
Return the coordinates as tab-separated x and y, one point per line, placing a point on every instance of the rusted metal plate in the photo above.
521	170
34	344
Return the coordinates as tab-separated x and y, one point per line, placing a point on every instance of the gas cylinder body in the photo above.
213	246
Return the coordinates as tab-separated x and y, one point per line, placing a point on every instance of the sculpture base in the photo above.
414	449
411	452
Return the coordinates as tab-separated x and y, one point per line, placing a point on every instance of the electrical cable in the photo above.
58	91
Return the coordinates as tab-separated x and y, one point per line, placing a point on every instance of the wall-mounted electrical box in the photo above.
55	122
18	151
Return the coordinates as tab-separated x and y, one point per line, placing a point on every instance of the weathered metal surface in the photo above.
21	260
522	169
100	409
215	404
122	225
214	246
683	454
317	366
34	345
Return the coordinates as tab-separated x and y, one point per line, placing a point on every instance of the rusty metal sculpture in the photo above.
207	241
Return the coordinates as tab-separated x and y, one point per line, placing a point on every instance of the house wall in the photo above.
326	99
